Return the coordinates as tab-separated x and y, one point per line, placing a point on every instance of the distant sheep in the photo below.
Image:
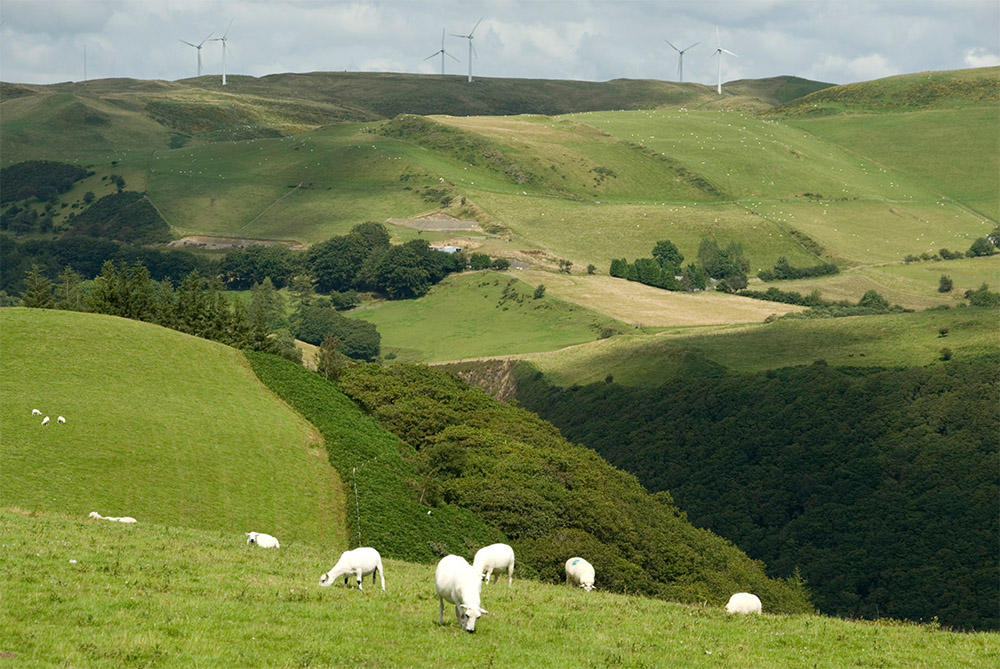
360	562
45	421
458	582
262	540
495	556
60	420
743	602
118	519
36	412
580	573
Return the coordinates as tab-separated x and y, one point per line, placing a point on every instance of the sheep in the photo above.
262	540
117	519
360	562
458	582
36	412
45	421
743	602
495	556
60	420
580	573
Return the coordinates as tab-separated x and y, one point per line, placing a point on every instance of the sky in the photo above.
834	41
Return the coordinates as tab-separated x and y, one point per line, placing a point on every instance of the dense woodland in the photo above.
878	485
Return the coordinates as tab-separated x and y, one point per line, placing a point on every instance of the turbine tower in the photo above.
443	53
224	48
680	62
718	52
471	49
198	47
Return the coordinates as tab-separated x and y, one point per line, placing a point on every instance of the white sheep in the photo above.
36	412
580	573
45	421
117	519
743	602
262	540
495	556
458	582
60	420
360	562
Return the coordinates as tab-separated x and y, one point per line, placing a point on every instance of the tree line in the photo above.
877	485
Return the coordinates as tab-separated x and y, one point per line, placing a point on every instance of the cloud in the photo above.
834	67
979	57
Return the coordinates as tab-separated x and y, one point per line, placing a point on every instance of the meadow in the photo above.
160	426
81	592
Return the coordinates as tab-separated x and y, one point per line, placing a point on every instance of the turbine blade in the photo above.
729	52
475	26
692	46
188	43
462	36
442	39
671	45
717	38
206	38
452	57
228	27
436	53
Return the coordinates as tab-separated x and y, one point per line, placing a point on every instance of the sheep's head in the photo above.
94	514
587	586
470	614
251	538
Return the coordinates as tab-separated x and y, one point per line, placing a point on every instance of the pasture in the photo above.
101	594
161	426
893	340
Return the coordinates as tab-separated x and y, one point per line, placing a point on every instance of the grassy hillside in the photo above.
481	314
168	428
905	340
209	600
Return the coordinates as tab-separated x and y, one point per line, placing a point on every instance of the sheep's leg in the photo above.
440	610
458	614
357	575
510	575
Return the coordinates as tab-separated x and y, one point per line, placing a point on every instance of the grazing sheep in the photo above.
60	420
495	556
360	562
45	421
262	540
117	519
458	582
36	412
580	573
743	602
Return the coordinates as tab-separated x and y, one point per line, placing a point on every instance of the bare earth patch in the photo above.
436	222
227	243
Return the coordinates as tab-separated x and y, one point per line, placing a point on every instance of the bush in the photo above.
945	284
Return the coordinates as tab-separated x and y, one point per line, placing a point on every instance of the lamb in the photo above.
458	582
580	573
743	602
262	540
360	562
36	412
117	519
60	420
495	556
45	421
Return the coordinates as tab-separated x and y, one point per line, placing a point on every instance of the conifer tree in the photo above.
69	293
37	290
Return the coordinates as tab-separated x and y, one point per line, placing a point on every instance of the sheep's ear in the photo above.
483	611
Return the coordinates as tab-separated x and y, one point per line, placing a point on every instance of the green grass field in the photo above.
83	593
161	426
903	340
476	314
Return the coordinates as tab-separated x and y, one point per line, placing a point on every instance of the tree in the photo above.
619	268
945	284
479	261
982	297
329	363
37	290
502	264
267	307
69	291
301	287
981	247
591	269
355	338
873	300
242	268
539	291
666	253
565	266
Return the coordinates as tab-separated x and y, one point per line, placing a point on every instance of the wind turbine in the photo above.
680	62
198	46
718	52
443	53
471	49
224	47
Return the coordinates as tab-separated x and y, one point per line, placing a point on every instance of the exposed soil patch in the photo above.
436	222
227	243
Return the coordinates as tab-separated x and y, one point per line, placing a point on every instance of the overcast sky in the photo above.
837	41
